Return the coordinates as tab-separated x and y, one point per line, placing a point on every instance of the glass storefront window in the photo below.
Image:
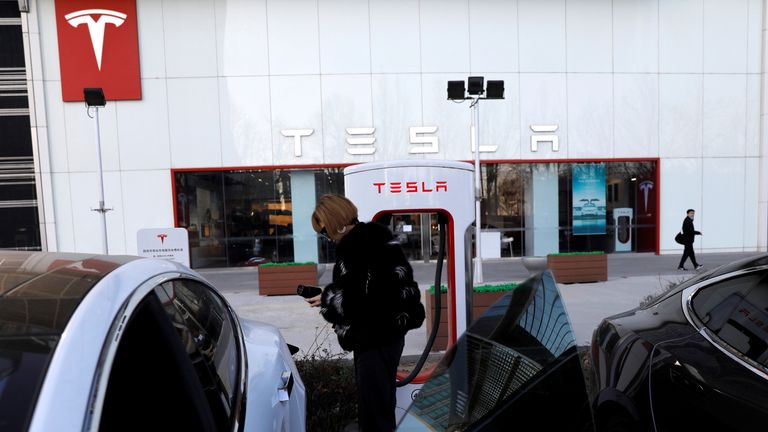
245	217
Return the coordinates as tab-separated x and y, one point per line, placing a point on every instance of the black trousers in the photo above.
688	252
375	374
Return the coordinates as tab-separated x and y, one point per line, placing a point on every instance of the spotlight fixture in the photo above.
494	89
94	97
456	90
475	85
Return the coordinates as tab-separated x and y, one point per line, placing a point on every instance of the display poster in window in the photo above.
588	199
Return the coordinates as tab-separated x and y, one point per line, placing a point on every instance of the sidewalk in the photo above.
631	278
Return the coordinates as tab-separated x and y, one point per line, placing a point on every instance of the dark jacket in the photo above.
689	233
373	299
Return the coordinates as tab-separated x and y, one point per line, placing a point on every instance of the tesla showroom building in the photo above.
229	118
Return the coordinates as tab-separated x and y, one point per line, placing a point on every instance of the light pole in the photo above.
94	98
475	89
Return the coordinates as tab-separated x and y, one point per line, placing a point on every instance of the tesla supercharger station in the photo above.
425	186
622	224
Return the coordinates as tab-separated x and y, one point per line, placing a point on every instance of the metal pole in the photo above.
101	208
478	192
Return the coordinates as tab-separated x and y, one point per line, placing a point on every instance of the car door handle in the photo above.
286	386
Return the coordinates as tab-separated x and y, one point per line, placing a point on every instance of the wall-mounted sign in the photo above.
166	243
98	47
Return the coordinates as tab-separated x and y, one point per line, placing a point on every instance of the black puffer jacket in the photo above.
373	299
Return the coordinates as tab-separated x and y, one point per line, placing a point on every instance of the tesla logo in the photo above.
411	187
162	238
96	27
646	186
98	47
361	140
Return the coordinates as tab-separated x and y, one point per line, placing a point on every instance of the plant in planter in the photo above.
578	266
483	297
282	278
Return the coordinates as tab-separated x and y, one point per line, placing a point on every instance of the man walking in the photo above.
689	233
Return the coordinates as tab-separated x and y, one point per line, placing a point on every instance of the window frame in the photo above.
97	394
693	318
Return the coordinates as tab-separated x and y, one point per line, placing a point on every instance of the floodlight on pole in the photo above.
94	98
476	88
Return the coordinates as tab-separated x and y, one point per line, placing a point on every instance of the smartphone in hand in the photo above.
308	291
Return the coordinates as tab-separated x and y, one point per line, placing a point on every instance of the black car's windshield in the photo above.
516	359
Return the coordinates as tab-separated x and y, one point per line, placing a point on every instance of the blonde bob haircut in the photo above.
333	212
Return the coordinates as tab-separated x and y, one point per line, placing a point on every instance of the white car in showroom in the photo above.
96	342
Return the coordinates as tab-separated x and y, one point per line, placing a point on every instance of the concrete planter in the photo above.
283	279
578	268
481	301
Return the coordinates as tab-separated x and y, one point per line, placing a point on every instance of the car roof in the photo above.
39	291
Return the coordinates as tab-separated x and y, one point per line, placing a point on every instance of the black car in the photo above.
693	359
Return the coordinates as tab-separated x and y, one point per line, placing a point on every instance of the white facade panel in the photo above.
296	105
542	35
754	84
636	36
724	115
543	101
81	137
86	224
493	36
500	120
246	137
293	37
754	35
395	36
394	119
142	128
140	187
57	129
346	104
48	40
589	26
723	205
344	37
681	189
454	119
636	115
751	199
681	36
680	115
193	122
62	207
590	115
241	37
444	35
190	38
151	38
725	36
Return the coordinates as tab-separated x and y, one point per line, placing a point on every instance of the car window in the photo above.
205	327
519	356
736	311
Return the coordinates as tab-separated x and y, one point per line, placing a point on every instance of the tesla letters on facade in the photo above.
98	47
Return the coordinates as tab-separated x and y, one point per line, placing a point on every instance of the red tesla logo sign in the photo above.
162	237
411	187
98	47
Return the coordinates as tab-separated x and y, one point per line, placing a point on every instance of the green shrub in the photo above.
577	253
329	379
479	288
279	264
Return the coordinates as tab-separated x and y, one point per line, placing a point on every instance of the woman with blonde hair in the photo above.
371	302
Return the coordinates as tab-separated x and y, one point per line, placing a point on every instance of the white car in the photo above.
91	342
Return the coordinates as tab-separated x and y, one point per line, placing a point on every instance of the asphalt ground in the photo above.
632	278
